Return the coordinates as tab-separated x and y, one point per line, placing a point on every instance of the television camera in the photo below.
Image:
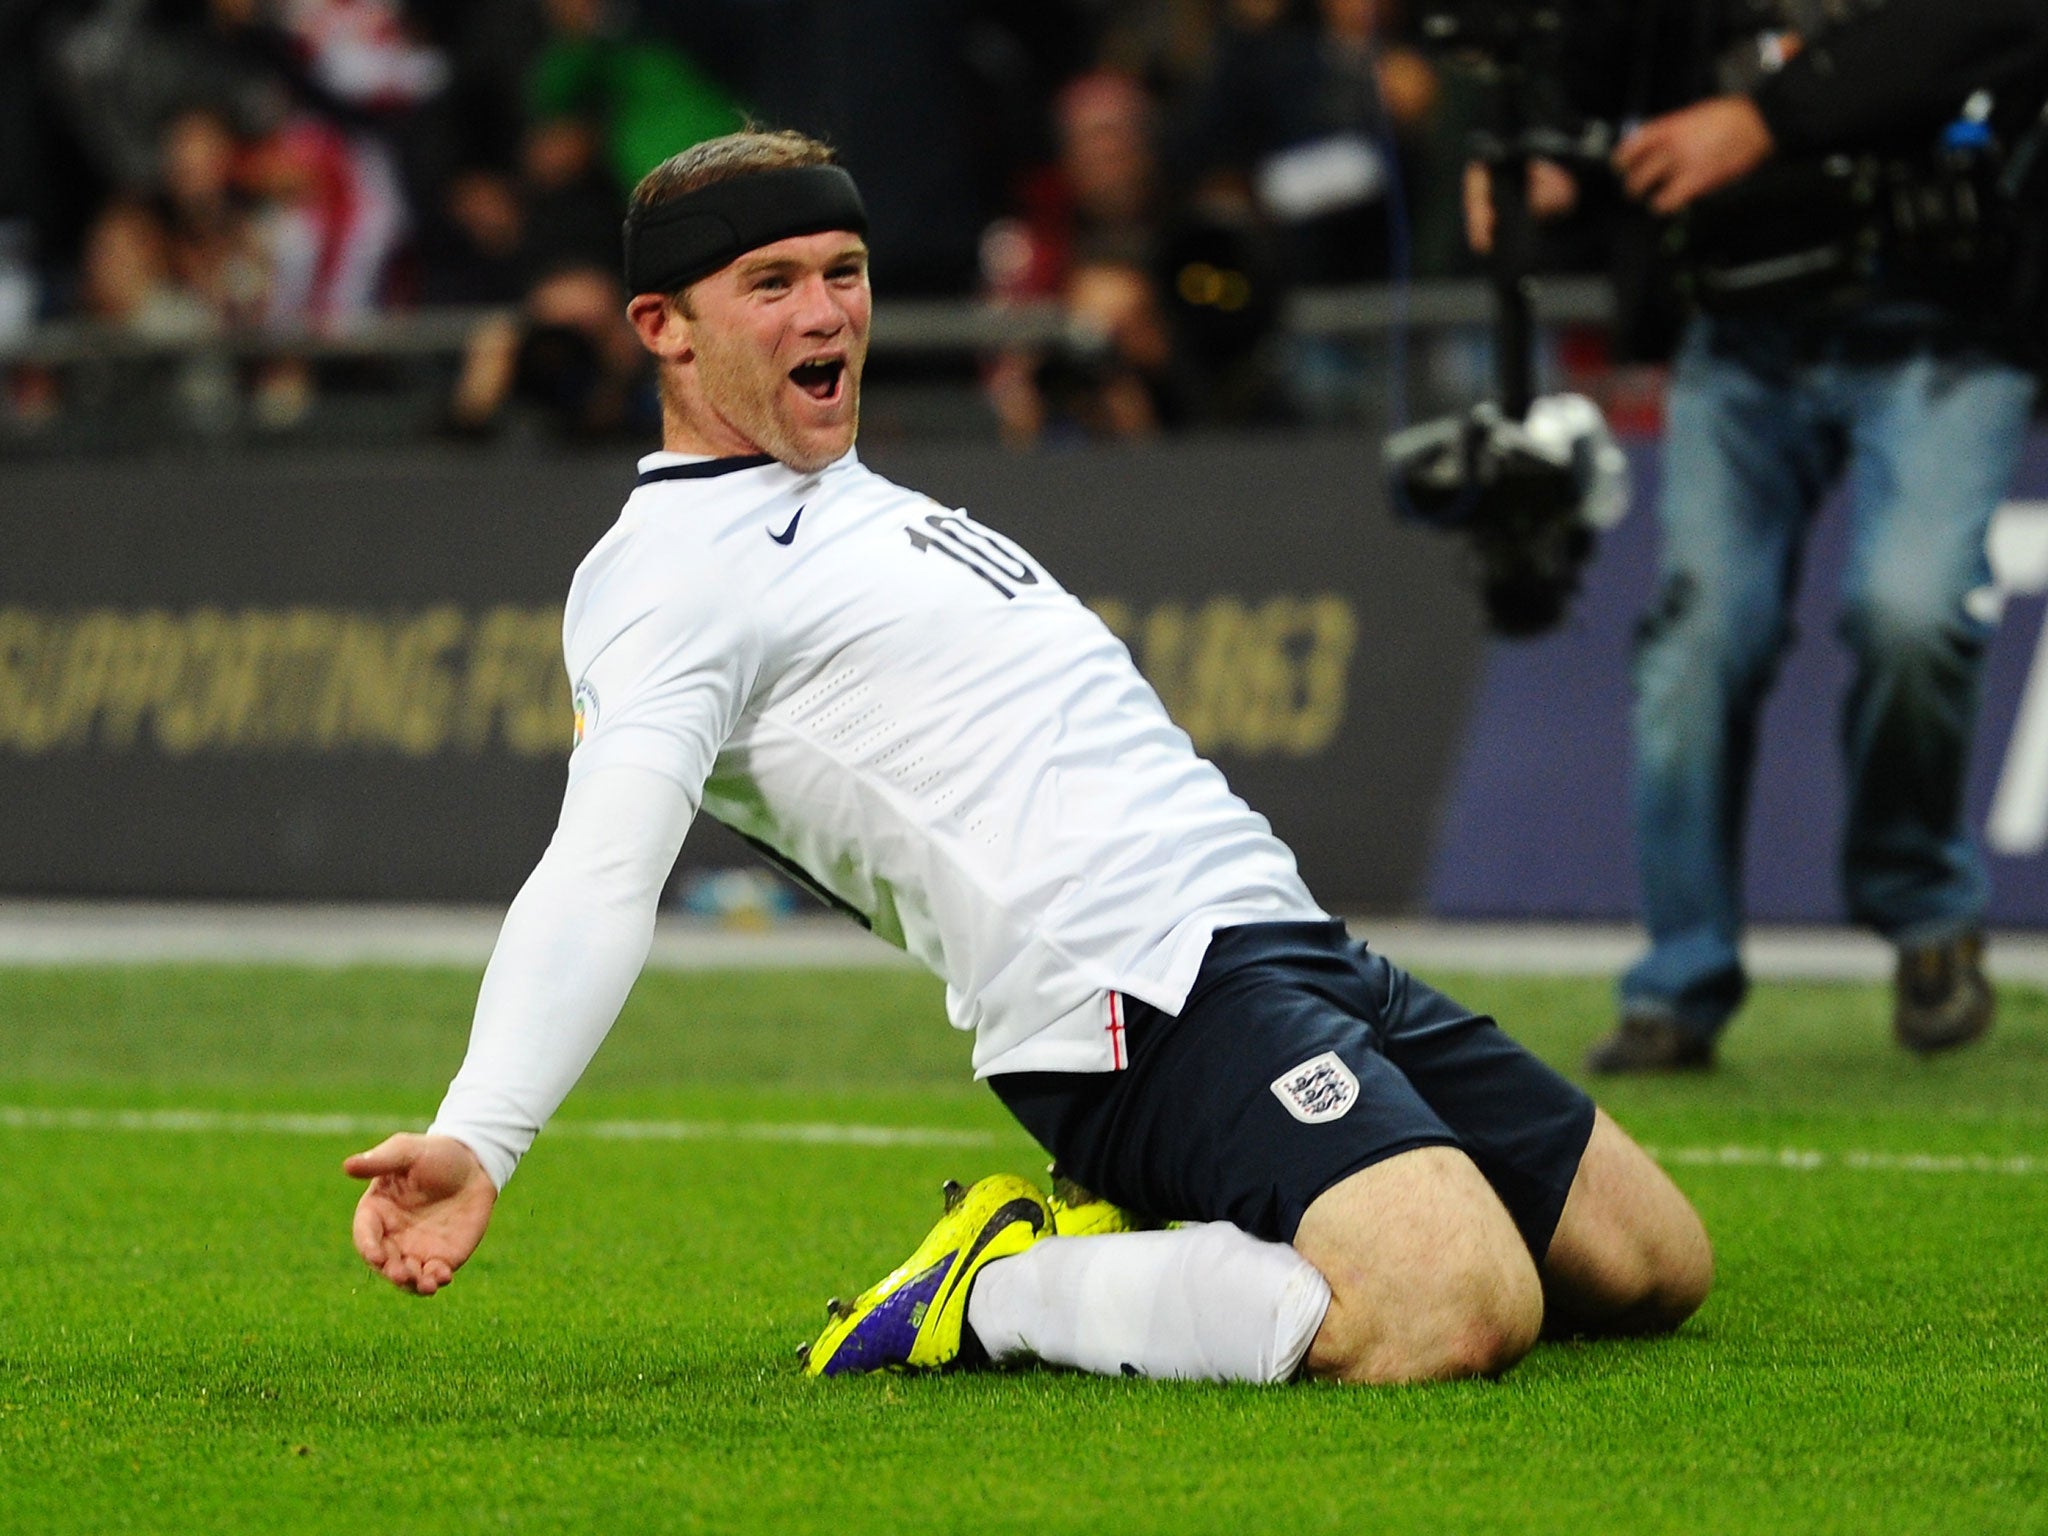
1529	483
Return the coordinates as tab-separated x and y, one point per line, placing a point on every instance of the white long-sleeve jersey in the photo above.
902	705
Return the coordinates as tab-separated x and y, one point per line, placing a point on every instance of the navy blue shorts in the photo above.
1299	1058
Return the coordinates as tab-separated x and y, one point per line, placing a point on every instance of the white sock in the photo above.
1206	1302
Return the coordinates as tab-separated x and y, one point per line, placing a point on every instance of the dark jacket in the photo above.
1885	80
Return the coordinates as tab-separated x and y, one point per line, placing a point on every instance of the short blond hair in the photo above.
746	153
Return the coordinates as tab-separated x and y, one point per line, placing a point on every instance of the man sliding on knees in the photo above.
1365	1182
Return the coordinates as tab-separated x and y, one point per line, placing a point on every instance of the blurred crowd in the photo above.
1165	171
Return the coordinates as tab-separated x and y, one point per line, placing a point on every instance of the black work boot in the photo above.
1942	998
1647	1042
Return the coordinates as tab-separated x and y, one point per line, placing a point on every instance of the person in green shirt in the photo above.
645	96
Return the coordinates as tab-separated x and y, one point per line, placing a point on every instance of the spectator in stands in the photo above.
1087	236
255	132
573	206
473	244
185	258
211	240
130	282
607	104
340	215
1303	115
1305	123
646	98
901	89
1168	44
342	212
1180	301
127	279
1121	387
1101	195
124	70
555	235
313	85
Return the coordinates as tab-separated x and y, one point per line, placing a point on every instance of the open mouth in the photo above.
821	380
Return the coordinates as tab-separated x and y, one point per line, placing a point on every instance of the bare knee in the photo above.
1651	1285
1630	1255
1679	1272
1429	1278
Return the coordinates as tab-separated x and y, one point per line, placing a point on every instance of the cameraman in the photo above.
1831	358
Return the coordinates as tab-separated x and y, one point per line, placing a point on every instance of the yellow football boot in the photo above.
1079	1212
913	1317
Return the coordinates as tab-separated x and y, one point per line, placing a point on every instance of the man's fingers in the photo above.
394	1154
428	1203
408	1272
400	1268
1648	179
1478	188
393	1251
1683	180
1644	141
368	1230
1644	158
1681	188
1659	164
1678	159
1642	168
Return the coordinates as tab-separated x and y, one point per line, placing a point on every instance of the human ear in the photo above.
662	326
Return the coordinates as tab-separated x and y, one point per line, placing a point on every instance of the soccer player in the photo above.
1373	1184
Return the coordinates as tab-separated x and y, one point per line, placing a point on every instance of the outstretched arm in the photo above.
573	942
572	945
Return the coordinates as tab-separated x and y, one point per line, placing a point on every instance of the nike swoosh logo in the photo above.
788	535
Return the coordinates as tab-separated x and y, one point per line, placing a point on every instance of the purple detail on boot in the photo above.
884	1337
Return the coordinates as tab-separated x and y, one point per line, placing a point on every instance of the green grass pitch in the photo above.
188	1343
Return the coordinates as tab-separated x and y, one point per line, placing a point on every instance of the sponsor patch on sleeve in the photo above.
586	711
1321	1088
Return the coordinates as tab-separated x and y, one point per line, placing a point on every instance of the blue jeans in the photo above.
1764	415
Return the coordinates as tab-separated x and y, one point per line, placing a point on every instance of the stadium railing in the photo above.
400	362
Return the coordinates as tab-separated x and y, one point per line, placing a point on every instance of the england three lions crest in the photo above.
1321	1088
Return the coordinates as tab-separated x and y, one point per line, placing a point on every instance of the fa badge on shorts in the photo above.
1321	1088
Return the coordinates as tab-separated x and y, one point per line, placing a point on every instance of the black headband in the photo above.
671	244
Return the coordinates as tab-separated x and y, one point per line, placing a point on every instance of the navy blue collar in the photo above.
704	469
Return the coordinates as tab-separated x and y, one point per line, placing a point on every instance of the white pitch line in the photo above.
15	1117
1804	1160
38	932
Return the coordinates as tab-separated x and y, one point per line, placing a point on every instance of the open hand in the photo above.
425	1211
1686	154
